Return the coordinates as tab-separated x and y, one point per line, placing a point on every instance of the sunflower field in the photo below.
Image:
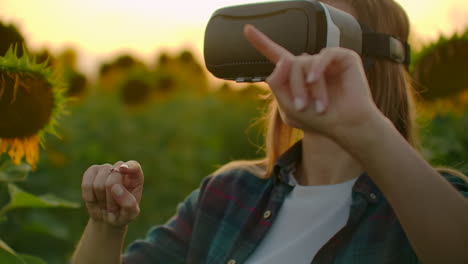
169	116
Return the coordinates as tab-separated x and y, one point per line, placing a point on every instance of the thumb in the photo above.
126	201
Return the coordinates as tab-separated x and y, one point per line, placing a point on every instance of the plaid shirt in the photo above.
226	218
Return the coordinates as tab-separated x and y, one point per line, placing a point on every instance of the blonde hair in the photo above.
389	82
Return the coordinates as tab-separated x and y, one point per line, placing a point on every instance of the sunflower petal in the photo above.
16	151
3	145
31	146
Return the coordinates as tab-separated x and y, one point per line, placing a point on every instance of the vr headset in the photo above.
300	26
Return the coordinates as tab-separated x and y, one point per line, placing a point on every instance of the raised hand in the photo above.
113	192
326	92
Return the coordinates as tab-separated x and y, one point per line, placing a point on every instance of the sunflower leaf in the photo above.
28	259
7	255
14	173
4	246
22	199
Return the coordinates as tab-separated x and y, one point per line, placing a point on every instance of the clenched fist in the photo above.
113	192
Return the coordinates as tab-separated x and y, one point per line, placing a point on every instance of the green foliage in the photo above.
178	141
445	141
22	199
13	173
440	68
417	56
10	257
28	259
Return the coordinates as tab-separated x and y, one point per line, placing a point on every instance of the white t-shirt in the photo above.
309	217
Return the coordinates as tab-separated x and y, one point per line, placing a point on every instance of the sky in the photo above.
100	29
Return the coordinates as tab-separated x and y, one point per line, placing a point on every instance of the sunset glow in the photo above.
100	29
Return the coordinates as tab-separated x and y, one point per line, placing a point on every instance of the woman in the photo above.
351	190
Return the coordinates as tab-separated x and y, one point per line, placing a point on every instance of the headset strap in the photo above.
381	45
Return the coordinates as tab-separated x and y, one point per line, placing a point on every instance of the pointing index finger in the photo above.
263	44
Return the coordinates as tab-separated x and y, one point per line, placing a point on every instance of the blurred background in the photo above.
138	89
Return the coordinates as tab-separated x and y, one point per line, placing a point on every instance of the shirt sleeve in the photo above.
167	243
460	184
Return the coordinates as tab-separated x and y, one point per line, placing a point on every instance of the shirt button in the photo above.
231	261
373	196
267	214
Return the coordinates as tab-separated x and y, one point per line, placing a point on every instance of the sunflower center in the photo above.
135	91
26	103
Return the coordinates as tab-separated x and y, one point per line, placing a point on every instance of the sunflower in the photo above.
31	99
440	68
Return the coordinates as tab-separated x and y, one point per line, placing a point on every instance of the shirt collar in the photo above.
286	164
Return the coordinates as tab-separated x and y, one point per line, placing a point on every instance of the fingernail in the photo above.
319	107
117	190
124	166
111	217
299	103
311	77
